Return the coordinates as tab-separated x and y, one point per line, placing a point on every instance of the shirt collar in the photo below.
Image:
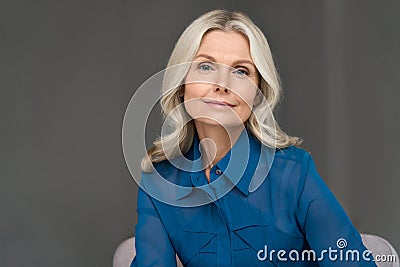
250	178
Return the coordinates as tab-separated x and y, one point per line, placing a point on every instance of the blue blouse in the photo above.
291	219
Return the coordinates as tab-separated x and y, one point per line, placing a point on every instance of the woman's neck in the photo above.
223	139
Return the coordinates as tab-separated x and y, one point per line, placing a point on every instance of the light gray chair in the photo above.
125	252
379	246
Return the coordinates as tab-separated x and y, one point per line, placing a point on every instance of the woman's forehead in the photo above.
225	46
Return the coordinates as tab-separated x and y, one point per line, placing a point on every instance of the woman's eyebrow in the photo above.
206	56
240	61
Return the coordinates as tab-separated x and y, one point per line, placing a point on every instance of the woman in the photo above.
244	193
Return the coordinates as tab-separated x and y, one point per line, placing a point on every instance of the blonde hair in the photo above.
185	50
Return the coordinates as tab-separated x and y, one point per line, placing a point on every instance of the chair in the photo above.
125	252
381	247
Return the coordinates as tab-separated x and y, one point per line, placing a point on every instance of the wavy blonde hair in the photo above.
181	137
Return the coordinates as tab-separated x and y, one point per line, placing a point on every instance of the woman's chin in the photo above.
218	122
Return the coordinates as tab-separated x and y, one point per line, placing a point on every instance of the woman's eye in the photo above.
205	67
241	72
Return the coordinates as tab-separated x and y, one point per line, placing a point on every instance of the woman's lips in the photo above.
218	103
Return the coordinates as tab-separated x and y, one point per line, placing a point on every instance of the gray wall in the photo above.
69	68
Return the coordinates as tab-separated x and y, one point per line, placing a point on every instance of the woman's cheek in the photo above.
247	100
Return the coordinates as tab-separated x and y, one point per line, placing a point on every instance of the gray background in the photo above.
69	68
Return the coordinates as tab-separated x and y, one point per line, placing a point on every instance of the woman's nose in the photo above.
221	89
222	83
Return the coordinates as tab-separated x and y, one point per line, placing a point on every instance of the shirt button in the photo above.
218	171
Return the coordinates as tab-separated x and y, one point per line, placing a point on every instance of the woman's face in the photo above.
221	84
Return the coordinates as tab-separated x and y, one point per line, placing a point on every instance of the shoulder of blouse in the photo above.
292	153
290	170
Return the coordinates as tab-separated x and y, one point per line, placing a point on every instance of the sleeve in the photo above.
327	228
153	247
